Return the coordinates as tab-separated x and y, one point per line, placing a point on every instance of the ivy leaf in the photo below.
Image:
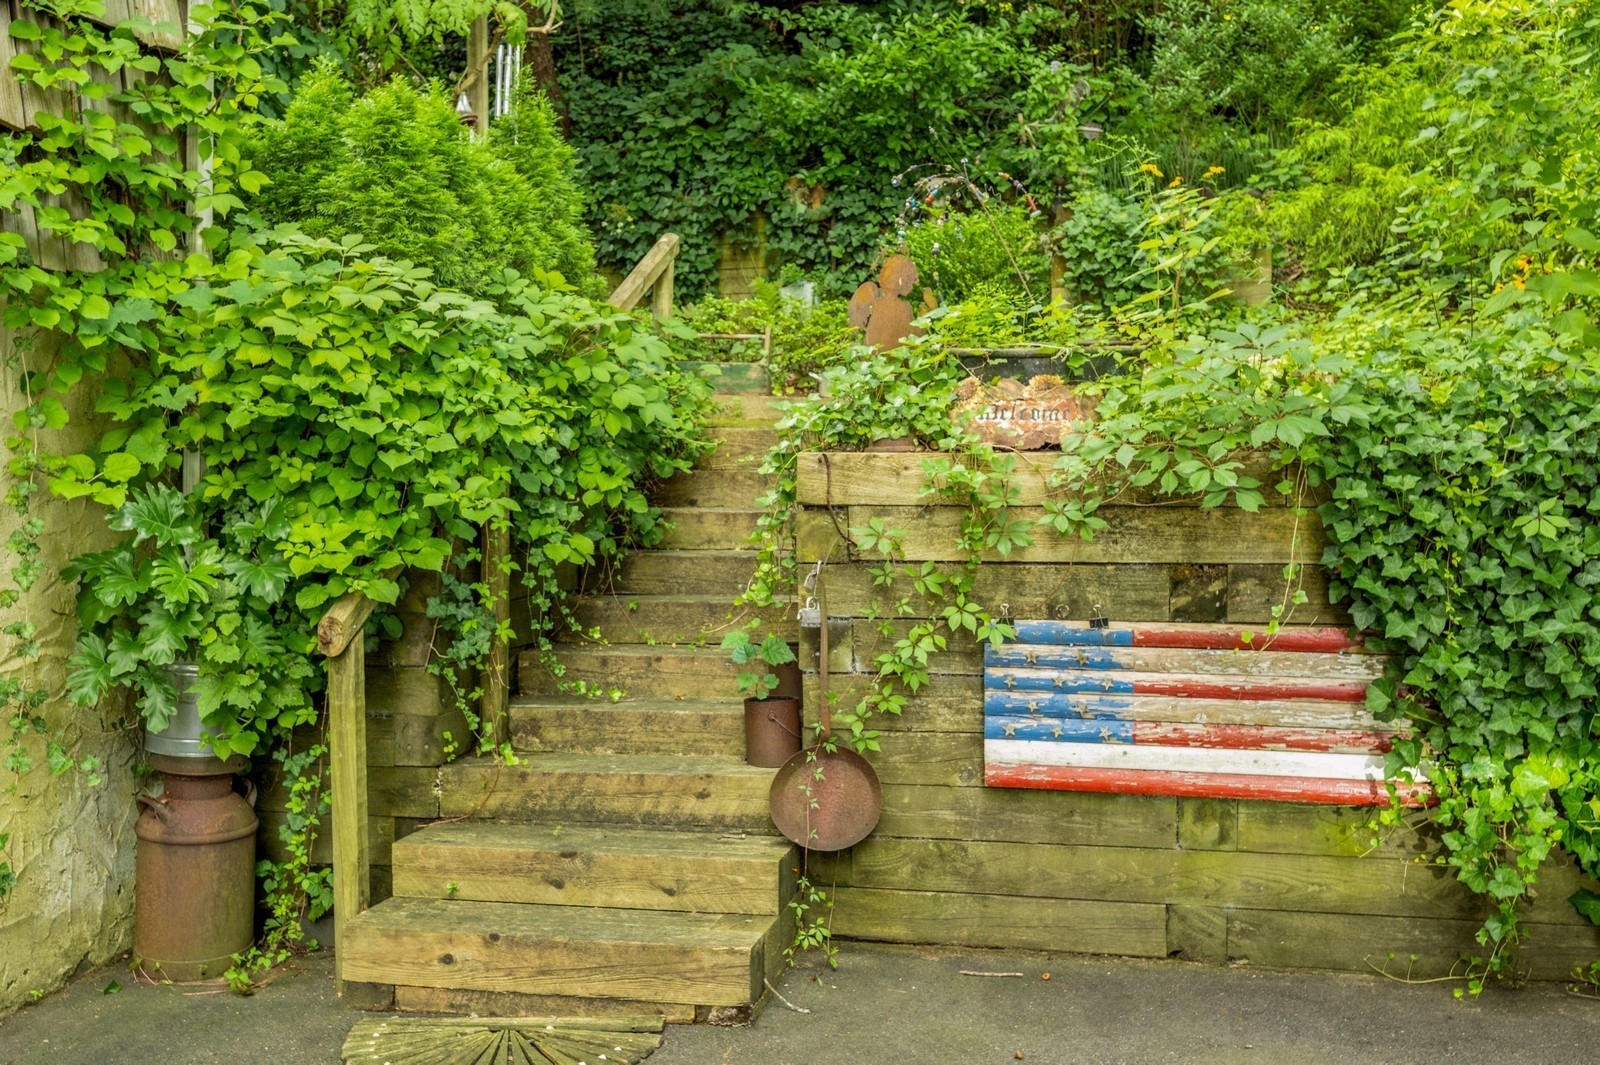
1587	903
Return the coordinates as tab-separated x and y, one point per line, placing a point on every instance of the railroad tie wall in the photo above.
953	862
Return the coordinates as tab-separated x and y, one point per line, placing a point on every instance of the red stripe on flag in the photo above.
1261	737
1332	640
1202	785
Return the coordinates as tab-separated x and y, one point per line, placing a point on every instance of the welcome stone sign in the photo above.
1024	415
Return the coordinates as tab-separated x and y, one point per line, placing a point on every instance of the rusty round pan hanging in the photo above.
826	800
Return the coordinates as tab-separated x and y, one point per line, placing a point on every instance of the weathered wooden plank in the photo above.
1171	660
946	759
1199	593
1276	713
1177	685
948	703
1338	791
1039	636
1127	592
589	789
567	950
1174	535
644	672
515	1004
623	868
1406	947
634	726
166	23
997	815
1302	883
407	690
1255	590
709	528
1208	824
857	478
675	619
724	573
13	114
430	739
404	791
1197	933
347	768
735	488
960	919
1279	828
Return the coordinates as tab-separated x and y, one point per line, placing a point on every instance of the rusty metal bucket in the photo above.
826	800
194	896
772	731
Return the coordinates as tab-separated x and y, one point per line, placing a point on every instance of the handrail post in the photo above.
661	294
339	638
654	274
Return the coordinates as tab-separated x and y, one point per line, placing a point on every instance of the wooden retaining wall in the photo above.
1265	883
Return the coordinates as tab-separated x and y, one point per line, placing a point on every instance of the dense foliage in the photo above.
803	128
396	166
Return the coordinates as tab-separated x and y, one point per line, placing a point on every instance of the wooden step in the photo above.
642	726
643	671
710	528
675	619
746	411
724	573
664	791
737	444
648	955
732	378
740	488
631	869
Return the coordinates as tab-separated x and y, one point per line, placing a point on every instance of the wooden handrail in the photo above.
339	637
654	275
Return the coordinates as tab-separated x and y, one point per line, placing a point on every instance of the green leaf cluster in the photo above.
396	165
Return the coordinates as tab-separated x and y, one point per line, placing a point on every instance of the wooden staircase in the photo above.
628	864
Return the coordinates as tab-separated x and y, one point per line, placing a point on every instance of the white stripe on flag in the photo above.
1185	759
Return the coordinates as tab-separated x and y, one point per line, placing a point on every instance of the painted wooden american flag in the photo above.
1192	710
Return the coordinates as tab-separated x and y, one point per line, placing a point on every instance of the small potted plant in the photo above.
771	701
196	626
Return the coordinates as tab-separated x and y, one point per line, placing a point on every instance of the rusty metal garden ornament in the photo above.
882	307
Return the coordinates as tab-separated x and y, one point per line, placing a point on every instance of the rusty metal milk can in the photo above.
194	902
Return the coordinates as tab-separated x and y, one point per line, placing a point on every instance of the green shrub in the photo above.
397	167
992	245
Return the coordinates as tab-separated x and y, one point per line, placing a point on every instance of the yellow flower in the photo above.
1151	168
1175	182
1211	172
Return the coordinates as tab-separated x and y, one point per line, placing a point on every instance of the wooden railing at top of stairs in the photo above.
339	638
653	275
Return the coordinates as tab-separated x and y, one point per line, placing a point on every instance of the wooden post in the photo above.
494	704
347	764
340	640
477	59
661	295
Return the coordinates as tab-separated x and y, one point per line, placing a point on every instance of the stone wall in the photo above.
71	844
